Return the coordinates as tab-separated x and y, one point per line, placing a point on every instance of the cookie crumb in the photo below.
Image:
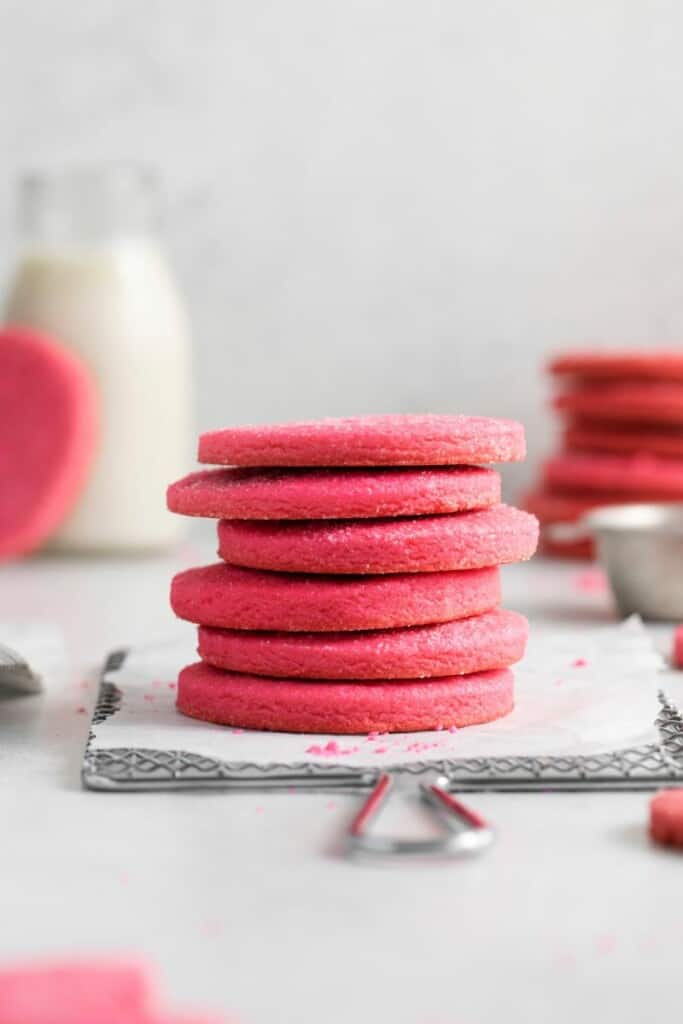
591	581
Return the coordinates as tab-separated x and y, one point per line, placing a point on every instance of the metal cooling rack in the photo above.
650	766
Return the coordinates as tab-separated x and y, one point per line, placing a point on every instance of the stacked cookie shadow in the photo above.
622	440
358	587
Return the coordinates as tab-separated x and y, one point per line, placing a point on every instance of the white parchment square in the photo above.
577	692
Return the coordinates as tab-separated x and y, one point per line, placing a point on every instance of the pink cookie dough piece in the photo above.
75	993
469	540
666	817
286	705
227	596
333	493
48	432
491	640
678	647
368	441
640	476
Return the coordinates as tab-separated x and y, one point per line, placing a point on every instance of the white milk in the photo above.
113	302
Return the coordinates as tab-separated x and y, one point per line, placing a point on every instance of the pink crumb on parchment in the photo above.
81	710
211	928
172	686
149	696
591	581
606	943
677	657
453	728
331	749
380	750
419	747
579	663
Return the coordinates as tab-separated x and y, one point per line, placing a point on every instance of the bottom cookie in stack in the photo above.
320	706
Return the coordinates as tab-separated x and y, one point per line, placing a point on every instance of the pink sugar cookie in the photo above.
666	817
227	596
624	440
656	364
368	441
48	428
469	540
494	639
75	993
333	493
630	402
286	705
640	476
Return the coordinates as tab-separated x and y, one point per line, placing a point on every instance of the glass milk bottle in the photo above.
92	275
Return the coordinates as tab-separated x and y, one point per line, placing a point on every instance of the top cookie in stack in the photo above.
359	584
622	440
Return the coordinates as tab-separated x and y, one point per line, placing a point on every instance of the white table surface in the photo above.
244	901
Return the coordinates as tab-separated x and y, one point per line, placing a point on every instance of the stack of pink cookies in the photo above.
622	415
358	587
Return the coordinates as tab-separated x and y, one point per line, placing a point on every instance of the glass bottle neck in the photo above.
88	206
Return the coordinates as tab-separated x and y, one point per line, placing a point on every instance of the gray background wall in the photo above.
378	205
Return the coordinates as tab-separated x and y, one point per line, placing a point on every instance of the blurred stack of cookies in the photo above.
622	440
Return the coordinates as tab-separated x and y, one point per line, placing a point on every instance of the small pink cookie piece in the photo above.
640	476
368	441
677	658
227	596
666	817
493	639
75	993
286	705
630	402
657	364
469	540
48	429
624	440
333	493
